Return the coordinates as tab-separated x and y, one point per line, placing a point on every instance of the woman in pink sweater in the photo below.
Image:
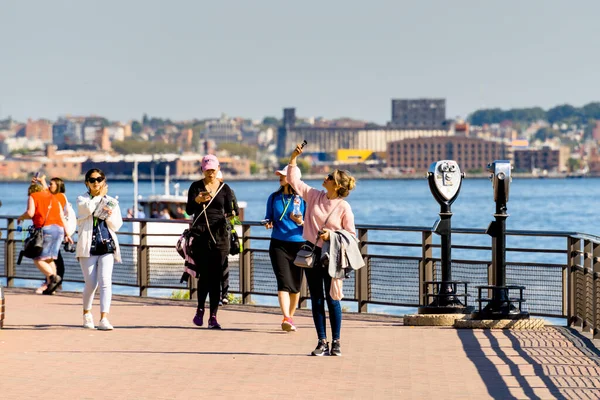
326	210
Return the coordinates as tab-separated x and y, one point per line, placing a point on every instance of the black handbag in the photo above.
305	256
101	245
234	242
34	243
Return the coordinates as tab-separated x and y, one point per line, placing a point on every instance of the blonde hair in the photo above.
346	182
34	188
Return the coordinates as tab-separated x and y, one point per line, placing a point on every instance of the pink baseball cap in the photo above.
283	172
210	162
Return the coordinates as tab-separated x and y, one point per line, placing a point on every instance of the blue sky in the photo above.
196	59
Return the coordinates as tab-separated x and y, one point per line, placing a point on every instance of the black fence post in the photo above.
9	253
595	290
426	265
142	263
246	266
588	272
569	282
361	283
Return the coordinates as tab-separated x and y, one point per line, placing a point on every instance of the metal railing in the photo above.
561	279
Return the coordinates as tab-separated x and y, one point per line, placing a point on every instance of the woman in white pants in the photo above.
98	218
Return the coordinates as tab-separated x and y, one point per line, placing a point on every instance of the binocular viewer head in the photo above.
445	179
500	175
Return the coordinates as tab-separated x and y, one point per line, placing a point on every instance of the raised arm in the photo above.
292	174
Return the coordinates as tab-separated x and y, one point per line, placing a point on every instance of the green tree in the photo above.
303	165
132	146
240	149
136	127
562	113
591	110
270	121
573	164
254	168
543	134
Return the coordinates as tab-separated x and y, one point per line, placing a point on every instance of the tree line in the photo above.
562	113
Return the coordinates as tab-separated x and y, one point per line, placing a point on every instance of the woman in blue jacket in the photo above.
285	215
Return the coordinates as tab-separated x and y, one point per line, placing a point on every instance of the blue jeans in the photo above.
53	237
319	282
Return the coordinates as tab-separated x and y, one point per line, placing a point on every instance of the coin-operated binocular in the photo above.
500	305
500	176
445	180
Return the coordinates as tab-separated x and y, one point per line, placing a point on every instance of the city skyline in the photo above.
335	59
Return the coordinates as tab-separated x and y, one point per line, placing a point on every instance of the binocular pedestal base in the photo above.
432	309
500	305
445	298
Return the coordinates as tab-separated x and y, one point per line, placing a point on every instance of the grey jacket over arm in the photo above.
341	254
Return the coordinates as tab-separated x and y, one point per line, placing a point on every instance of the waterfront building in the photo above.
545	158
470	153
223	130
68	131
11	144
330	139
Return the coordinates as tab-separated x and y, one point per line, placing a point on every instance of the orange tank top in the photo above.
42	201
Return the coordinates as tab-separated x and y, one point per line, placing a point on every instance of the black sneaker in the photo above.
335	348
322	348
55	280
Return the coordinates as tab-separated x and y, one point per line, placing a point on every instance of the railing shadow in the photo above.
559	359
487	370
569	370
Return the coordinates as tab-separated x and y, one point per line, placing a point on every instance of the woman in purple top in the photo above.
326	210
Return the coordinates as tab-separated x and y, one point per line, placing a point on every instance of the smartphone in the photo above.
265	221
304	143
37	175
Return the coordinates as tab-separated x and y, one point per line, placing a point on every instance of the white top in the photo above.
86	206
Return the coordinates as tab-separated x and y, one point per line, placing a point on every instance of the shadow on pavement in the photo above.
489	373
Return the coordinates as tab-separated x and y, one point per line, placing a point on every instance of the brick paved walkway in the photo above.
155	352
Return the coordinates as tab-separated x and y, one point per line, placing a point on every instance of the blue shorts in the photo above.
53	238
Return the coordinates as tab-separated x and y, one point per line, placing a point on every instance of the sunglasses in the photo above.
330	177
94	180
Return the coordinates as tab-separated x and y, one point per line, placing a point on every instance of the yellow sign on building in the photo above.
353	155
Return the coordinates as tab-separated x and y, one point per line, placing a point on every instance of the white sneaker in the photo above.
104	325
88	321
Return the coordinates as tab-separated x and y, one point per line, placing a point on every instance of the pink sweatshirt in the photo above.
318	207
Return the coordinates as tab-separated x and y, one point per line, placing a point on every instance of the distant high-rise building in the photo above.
289	116
418	113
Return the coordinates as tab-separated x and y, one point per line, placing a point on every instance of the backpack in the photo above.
70	219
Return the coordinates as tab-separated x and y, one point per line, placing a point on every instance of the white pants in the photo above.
97	270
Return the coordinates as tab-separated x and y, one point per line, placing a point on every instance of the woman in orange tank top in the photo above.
44	209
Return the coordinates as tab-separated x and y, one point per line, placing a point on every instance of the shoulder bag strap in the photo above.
48	212
327	219
206	206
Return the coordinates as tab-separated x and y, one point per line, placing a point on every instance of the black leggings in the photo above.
209	282
225	279
60	266
210	258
